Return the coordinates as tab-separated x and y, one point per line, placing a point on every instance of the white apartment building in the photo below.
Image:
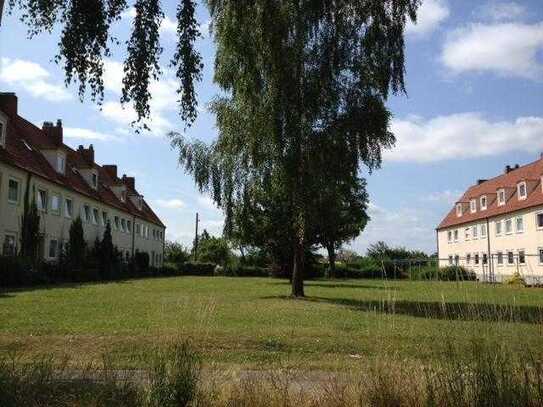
496	228
66	183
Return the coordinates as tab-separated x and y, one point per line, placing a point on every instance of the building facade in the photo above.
67	183
496	228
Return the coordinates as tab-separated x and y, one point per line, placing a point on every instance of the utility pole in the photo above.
196	239
1	11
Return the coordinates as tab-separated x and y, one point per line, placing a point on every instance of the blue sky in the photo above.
474	104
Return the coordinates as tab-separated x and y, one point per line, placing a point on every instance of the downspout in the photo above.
163	244
490	260
437	244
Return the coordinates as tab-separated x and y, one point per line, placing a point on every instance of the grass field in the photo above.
251	322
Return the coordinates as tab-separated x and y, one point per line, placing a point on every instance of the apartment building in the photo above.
67	183
496	228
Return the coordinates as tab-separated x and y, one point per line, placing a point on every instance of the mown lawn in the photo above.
251	321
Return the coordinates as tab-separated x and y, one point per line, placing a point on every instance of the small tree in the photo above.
75	253
176	253
214	250
107	255
30	231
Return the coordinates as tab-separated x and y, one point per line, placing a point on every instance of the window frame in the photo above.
66	212
468	258
477	259
475	232
95	214
538	216
94	180
61	163
104	218
499	258
459	210
519	251
18	199
116	222
525	196
455	234
500	192
540	251
123	225
42	199
56	211
521	218
509	221
485	234
485	200
499	230
510	255
87	213
473	205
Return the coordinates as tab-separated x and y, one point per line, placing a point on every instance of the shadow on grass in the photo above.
337	284
462	311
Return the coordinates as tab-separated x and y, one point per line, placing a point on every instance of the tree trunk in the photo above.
331	260
298	269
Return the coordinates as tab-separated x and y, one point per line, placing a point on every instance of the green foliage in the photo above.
175	376
85	37
516	279
213	250
197	268
141	261
303	80
30	231
243	271
76	248
176	253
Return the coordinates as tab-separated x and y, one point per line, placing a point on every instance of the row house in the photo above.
67	183
496	228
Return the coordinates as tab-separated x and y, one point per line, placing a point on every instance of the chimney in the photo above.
130	182
54	133
8	103
87	153
507	169
517	166
111	170
481	181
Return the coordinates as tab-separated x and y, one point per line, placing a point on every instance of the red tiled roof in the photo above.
20	133
531	173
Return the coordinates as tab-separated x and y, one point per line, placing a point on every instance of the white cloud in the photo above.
409	227
502	11
430	14
170	203
461	136
507	49
33	78
164	99
168	26
443	197
87	134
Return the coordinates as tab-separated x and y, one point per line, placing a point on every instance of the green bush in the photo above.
453	273
196	269
243	271
141	260
15	271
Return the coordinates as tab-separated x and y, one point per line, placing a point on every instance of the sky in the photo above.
474	104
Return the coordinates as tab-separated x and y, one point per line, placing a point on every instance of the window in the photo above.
2	139
475	231
485	258
501	197
476	259
500	258
95	215
510	258
540	256
53	248
55	204
10	245
68	208
123	196
13	191
94	180
104	218
449	233
483	230
86	214
522	257
499	227
129	226
61	164
468	258
116	222
138	230
483	202
520	224
455	234
508	226
539	220
123	225
473	206
42	200
521	190
450	260
458	209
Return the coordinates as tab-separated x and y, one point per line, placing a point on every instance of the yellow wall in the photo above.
57	226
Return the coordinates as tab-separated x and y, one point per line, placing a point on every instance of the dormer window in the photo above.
458	209
501	197
94	179
522	191
473	206
123	196
3	127
61	163
484	203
